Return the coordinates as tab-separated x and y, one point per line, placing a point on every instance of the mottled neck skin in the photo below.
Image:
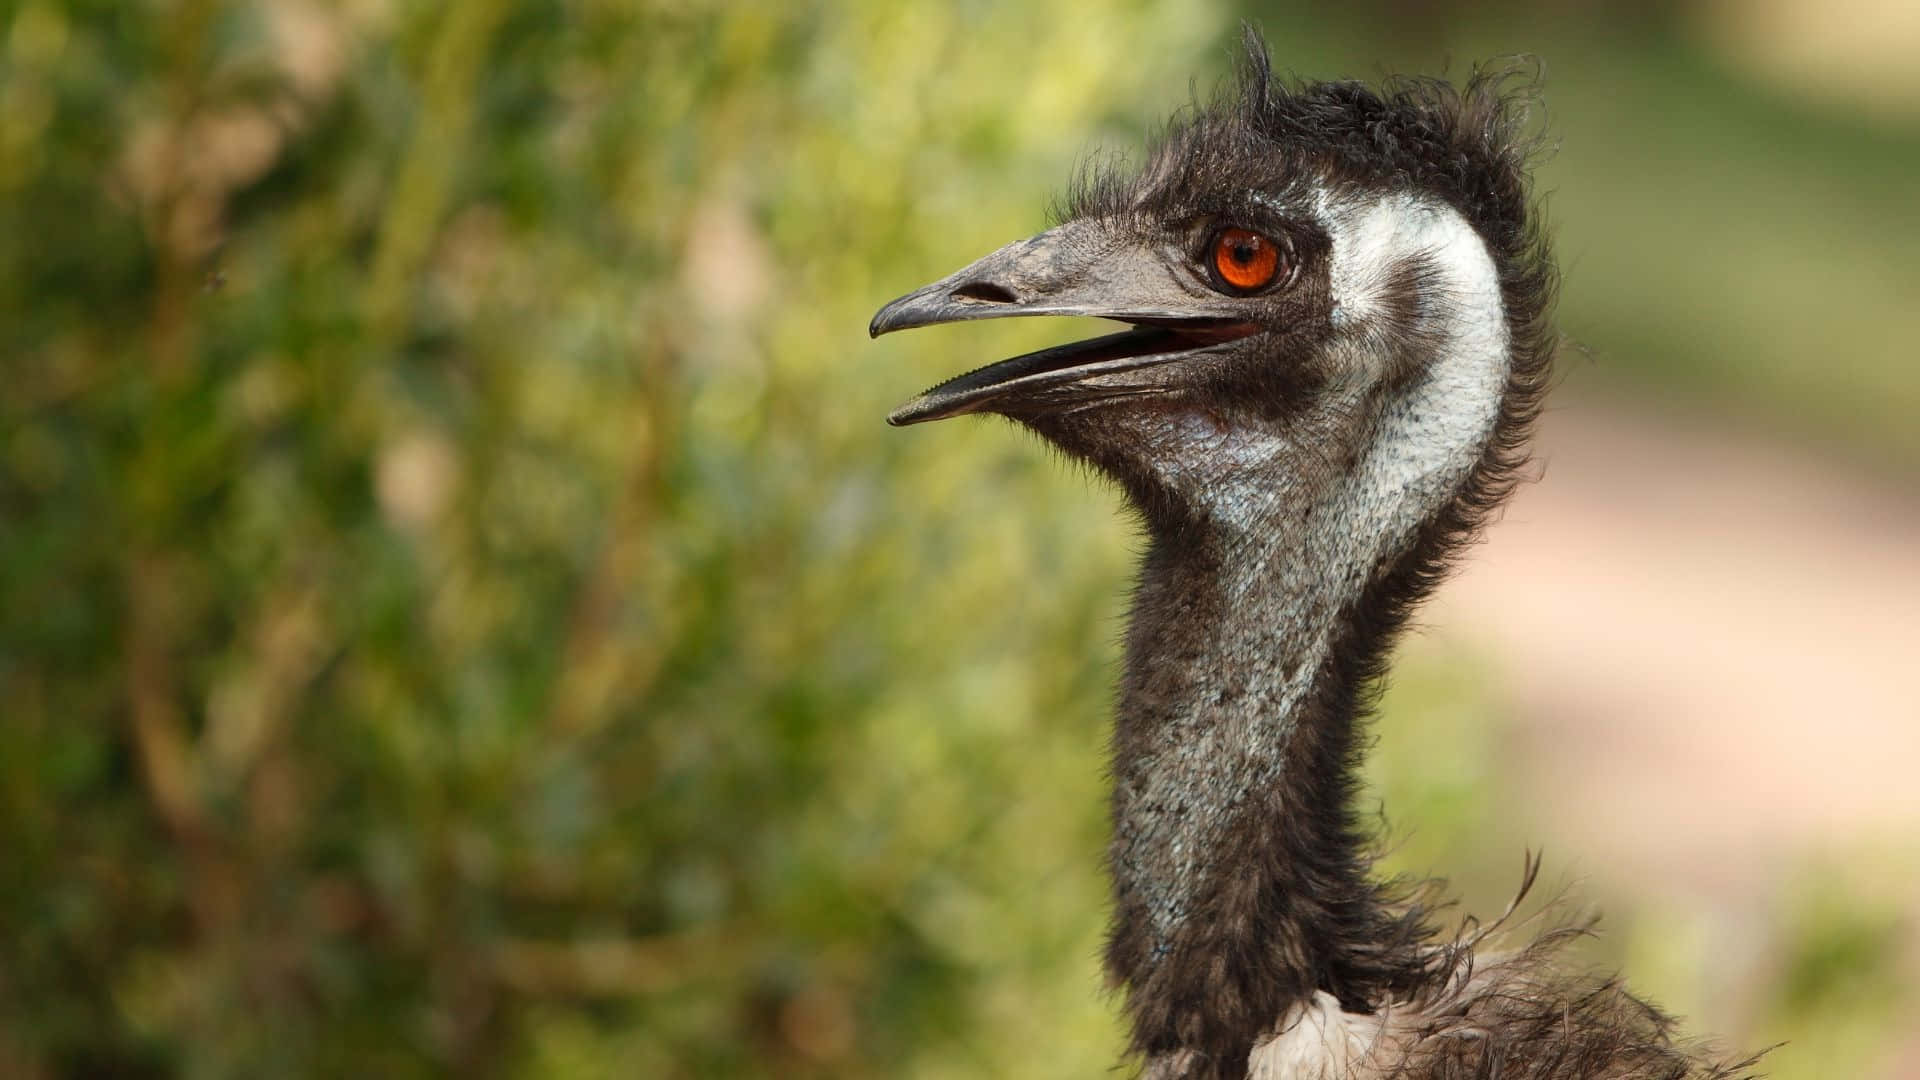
1234	725
1277	574
1237	869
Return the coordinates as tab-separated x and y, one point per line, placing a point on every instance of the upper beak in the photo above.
1080	268
1076	269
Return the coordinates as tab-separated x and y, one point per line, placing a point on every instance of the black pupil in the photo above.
1243	251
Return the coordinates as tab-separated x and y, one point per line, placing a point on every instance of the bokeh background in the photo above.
461	613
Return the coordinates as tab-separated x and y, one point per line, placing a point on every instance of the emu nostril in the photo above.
983	291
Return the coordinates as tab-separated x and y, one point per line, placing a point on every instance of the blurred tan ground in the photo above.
1858	53
1688	613
1711	642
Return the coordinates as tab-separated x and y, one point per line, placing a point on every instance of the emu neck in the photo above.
1267	602
1240	879
1234	757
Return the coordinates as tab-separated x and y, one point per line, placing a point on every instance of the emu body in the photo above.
1340	306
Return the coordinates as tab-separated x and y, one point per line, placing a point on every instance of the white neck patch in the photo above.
1431	435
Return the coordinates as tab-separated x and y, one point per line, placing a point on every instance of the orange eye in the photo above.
1244	259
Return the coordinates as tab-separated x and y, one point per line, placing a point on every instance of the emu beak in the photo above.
1080	268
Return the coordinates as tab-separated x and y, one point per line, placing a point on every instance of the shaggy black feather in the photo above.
1298	911
1294	909
1215	952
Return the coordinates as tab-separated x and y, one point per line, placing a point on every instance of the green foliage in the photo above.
1841	984
458	608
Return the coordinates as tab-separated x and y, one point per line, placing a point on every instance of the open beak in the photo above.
1080	268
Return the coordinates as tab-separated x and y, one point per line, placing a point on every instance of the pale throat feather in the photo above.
1294	539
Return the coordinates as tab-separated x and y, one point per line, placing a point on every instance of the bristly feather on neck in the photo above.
1339	305
1277	581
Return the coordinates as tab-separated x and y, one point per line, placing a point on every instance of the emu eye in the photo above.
1244	260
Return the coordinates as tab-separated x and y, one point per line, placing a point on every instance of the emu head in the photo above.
1318	278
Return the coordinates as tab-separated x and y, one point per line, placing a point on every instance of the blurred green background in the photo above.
461	613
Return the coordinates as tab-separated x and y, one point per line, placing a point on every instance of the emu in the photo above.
1339	304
